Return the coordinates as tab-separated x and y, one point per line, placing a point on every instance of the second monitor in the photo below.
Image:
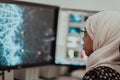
69	46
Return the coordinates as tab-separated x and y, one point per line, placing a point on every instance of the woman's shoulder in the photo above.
102	73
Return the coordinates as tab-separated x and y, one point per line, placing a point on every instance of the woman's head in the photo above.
102	28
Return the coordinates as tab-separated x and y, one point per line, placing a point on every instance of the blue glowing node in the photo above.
10	26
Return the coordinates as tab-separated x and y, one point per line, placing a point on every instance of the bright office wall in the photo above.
94	5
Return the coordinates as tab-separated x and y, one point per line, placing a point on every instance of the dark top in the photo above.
102	73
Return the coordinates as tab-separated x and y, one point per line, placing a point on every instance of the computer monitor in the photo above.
70	33
27	34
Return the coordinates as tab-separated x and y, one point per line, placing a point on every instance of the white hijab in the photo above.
104	30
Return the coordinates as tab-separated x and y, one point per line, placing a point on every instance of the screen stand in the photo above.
2	74
6	75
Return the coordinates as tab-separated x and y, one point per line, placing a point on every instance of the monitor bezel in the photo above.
72	65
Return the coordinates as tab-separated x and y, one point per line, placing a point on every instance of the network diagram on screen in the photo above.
26	34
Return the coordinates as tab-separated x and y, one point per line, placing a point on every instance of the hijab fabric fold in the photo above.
104	30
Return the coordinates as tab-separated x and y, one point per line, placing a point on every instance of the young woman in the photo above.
101	44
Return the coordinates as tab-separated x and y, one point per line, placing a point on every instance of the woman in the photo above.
101	44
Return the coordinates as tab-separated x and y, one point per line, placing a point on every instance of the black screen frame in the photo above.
56	8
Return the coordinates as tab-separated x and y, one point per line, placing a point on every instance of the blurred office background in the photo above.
64	72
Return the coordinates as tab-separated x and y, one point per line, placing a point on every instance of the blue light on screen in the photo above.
75	18
74	30
10	26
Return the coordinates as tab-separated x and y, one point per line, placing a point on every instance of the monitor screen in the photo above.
27	34
70	33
